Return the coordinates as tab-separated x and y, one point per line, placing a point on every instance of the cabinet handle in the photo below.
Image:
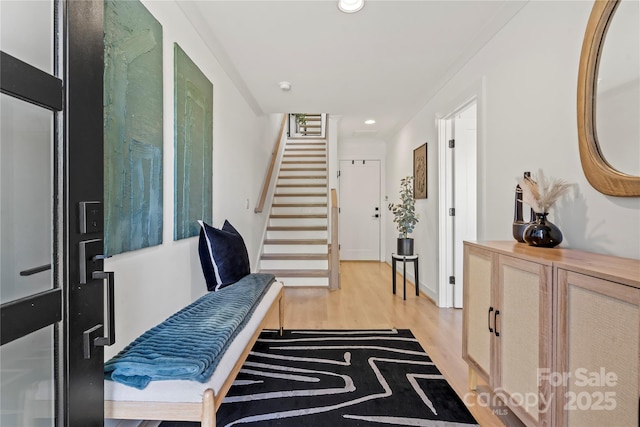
489	319
495	322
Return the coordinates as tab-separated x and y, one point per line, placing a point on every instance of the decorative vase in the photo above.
519	224
405	246
542	232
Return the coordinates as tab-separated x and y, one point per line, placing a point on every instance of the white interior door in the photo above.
464	191
360	210
458	198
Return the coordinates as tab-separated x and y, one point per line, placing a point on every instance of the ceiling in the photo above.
384	62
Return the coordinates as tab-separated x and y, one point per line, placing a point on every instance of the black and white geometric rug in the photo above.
340	378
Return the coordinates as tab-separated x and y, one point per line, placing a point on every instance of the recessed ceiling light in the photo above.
369	122
285	86
350	6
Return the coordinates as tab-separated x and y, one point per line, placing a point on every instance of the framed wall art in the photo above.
133	125
420	172
193	146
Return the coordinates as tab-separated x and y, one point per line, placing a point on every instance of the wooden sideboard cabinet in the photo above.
555	333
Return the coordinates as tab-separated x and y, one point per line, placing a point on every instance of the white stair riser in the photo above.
299	199
301	175
296	157
305	281
301	186
297	187
299	210
296	141
268	264
295	249
295	222
306	144
297	234
316	151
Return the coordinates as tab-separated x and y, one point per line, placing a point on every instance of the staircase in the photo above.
312	126
295	249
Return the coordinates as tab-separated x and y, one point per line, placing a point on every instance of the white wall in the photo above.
153	283
525	79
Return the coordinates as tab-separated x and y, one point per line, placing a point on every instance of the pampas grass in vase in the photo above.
541	193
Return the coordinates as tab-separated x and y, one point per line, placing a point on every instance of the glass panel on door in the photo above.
27	380
26	159
27	31
27	138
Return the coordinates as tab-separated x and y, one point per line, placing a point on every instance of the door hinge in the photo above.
338	247
452	143
452	211
339	210
338	174
452	280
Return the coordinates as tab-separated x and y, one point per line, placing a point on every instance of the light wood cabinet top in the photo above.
615	269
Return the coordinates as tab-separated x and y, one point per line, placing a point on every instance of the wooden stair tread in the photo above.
302	185
297	273
295	257
302	169
300	195
299	205
303	149
304	162
324	156
296	216
295	241
297	228
302	177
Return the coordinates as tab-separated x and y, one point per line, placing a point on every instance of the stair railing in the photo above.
267	179
334	249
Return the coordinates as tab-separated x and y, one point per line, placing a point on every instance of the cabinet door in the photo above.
522	335
598	352
477	313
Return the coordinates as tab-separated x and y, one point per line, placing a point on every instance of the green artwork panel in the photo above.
132	127
193	146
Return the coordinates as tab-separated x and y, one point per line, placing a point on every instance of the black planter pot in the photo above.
405	246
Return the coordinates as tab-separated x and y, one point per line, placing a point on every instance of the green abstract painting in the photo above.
193	146
132	127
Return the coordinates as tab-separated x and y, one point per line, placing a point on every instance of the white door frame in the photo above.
445	201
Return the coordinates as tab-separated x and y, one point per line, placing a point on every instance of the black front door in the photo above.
51	190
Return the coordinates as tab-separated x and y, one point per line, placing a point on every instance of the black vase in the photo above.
542	233
405	246
519	224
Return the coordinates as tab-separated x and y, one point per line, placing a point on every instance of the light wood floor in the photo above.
367	302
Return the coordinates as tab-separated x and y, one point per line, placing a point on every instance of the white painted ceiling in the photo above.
384	62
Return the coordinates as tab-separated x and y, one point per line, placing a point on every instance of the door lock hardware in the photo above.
110	337
88	338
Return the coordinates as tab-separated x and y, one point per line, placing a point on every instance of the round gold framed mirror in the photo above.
599	172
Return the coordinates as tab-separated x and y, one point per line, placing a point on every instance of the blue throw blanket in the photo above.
190	343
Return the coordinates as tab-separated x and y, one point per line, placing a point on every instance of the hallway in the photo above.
366	302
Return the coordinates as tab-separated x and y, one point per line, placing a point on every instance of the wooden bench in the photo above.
183	400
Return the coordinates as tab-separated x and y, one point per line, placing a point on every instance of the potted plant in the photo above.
301	119
404	215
